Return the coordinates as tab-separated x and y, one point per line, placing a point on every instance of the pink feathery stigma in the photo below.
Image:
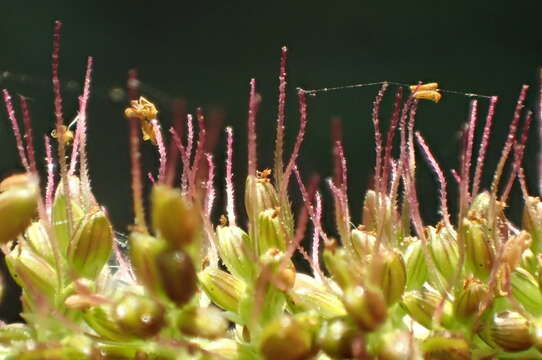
519	150
298	141
279	140
411	121
133	85
210	193
378	136
137	186
28	134
215	125
161	149
440	175
336	135
467	156
390	135
75	150
199	151
304	193
184	158
509	139
50	186
230	199
483	146
151	178
16	130
253	105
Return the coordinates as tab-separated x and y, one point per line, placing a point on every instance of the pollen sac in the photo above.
510	331
208	323
63	135
272	233
513	249
467	301
366	306
444	250
446	346
420	87
432	95
234	248
144	250
480	253
389	273
416	267
224	289
308	294
532	222
260	194
146	112
526	291
91	245
337	338
18	206
177	275
172	218
286	339
139	315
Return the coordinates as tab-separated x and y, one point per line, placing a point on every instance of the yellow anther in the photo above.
146	112
65	135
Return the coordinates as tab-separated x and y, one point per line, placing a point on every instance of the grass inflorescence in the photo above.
390	287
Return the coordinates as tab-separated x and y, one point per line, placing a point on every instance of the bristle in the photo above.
16	129
316	236
390	135
189	137
210	193
253	105
184	158
336	135
509	139
179	114
342	215
50	186
82	130
28	134
456	176
199	153
378	137
440	176
298	142
519	150
279	140
161	149
464	196
230	198
133	85
540	132
523	183
60	124
483	146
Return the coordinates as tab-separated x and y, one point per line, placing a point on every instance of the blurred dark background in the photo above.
206	52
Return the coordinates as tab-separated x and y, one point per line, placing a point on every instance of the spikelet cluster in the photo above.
187	287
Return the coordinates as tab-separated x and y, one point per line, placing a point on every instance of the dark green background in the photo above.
206	52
